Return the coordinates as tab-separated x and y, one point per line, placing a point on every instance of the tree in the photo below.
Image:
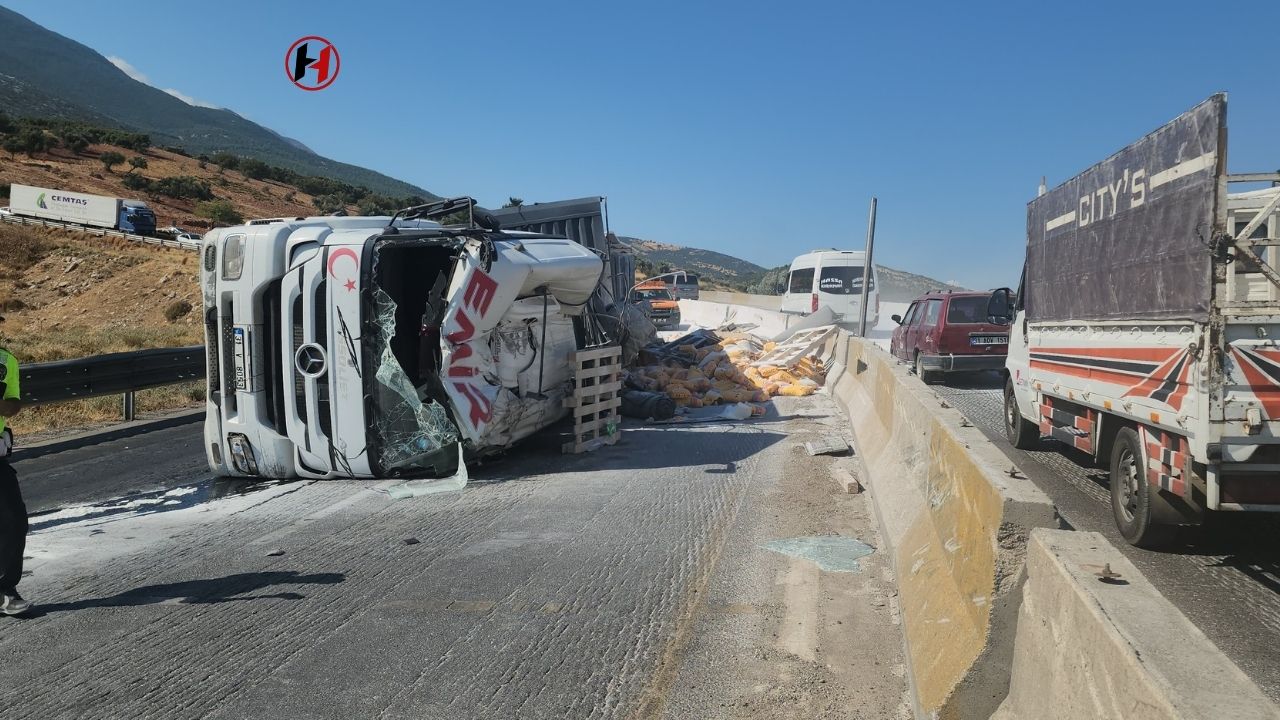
76	143
138	162
225	160
184	187
254	169
110	159
33	140
135	182
663	269
327	204
12	145
219	211
513	202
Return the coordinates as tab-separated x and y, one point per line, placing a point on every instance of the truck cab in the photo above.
136	218
659	302
378	347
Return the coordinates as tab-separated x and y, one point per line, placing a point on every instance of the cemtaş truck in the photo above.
379	347
130	216
1146	330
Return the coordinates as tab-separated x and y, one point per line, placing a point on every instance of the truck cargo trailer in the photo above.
130	216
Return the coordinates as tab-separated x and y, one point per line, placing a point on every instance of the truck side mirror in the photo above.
1000	307
896	318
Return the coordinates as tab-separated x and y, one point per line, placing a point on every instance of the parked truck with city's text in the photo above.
1146	330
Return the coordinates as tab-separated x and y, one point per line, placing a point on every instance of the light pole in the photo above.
866	268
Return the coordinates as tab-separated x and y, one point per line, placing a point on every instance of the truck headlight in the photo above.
242	454
233	257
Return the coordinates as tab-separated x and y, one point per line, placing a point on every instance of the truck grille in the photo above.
271	354
229	359
299	336
213	374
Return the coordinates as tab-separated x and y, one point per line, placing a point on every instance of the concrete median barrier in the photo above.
958	526
1114	649
763	302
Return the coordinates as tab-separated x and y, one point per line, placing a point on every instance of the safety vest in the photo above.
8	379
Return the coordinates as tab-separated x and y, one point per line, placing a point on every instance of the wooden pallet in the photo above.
797	347
596	397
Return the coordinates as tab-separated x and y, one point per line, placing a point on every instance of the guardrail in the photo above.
103	232
113	374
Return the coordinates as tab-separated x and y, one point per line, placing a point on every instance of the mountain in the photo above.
710	265
902	286
726	270
44	74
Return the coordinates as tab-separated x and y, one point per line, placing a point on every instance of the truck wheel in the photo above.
926	376
1021	432
1131	494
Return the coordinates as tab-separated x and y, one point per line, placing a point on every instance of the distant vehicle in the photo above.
831	278
661	305
1135	343
193	237
5	210
684	287
130	216
945	332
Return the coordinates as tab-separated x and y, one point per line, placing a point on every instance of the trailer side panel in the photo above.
1128	238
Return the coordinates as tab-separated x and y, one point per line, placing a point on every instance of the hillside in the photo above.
716	268
44	74
83	172
68	294
725	271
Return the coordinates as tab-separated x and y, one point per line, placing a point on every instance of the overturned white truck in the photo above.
375	347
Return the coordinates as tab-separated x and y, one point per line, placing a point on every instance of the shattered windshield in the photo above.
408	432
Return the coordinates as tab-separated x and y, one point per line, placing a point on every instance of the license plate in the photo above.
240	354
989	340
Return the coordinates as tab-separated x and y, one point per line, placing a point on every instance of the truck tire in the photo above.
926	376
1131	494
1021	432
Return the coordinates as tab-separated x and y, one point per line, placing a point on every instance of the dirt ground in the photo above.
66	295
778	637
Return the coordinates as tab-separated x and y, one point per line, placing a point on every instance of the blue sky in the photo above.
757	129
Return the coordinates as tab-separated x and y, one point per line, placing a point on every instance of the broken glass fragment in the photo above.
410	432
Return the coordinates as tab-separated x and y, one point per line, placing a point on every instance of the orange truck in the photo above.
662	306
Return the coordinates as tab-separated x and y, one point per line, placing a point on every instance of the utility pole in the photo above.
866	268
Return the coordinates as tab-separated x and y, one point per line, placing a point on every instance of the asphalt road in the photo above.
1225	577
135	464
628	582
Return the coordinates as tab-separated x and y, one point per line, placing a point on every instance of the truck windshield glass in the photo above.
843	280
967	310
410	433
652	295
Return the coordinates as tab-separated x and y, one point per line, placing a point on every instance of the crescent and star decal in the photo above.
350	284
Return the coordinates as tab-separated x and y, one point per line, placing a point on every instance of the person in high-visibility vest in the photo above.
13	512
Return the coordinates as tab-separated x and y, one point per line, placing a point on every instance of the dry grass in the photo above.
106	409
69	295
76	342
